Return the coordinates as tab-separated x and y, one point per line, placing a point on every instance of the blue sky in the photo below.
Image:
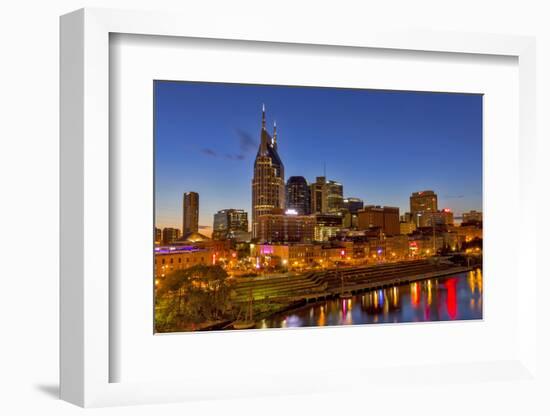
382	145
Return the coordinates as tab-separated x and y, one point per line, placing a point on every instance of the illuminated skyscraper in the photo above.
298	195
335	196
318	194
268	183
227	222
327	196
353	205
190	213
423	204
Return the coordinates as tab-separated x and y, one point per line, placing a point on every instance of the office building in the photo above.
268	182
472	217
170	235
190	213
278	227
229	223
376	216
298	195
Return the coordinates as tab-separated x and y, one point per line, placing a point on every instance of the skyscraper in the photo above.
190	213
353	205
423	204
318	194
335	196
326	196
298	195
277	227
227	222
268	182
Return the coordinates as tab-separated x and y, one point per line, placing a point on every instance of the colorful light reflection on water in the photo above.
458	297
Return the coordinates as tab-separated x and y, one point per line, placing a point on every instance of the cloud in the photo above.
209	152
453	196
245	145
246	141
239	156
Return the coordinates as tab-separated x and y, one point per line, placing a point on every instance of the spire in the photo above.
263	134
275	134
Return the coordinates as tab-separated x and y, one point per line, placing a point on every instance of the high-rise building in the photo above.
190	213
268	182
170	235
278	227
422	202
375	216
472	217
158	235
318	195
335	196
326	196
443	217
229	222
430	218
353	205
298	195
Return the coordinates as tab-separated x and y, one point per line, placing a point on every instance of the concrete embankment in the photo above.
325	284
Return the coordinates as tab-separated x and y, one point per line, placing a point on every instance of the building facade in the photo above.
434	218
472	216
327	196
335	196
170	235
353	204
168	260
318	195
268	182
407	227
298	195
422	203
228	223
327	226
278	227
190	212
376	216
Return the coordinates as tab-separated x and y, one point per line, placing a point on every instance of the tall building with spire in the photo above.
268	182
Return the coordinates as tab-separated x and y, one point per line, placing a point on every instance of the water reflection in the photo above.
446	298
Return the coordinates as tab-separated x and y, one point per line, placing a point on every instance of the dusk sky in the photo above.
381	145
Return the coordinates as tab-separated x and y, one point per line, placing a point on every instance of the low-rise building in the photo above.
171	258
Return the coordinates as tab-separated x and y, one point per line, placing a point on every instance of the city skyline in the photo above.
205	132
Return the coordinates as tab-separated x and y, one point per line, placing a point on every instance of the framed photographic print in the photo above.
286	213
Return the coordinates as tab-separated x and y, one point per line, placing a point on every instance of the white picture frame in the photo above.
85	201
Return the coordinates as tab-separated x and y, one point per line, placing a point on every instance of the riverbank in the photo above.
287	293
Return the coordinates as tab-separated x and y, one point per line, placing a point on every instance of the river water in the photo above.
456	297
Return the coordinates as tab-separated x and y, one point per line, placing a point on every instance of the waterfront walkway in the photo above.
326	284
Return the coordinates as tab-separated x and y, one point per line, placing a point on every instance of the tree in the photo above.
192	296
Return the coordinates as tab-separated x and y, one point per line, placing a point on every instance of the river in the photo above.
457	297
